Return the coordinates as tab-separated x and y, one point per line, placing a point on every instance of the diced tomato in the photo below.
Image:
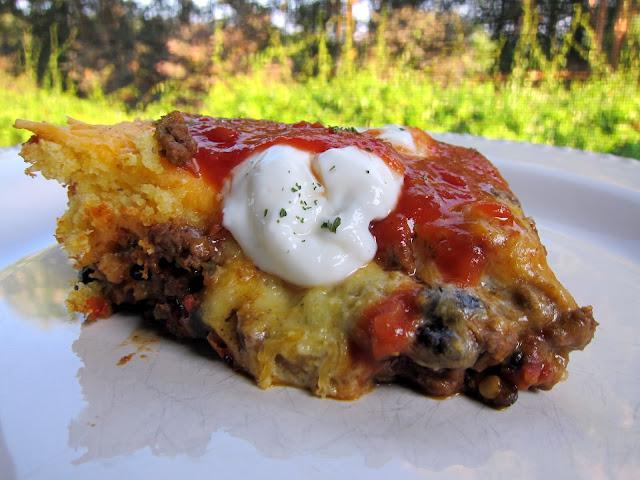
529	375
535	371
389	325
99	308
189	302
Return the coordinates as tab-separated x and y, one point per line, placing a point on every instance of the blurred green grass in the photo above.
601	115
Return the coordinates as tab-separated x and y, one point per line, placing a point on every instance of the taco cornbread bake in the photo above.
318	257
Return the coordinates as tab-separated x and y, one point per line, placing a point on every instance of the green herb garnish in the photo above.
332	226
343	129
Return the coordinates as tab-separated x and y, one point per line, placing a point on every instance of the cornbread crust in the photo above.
146	235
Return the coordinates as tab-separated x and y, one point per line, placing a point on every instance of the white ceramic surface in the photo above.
112	400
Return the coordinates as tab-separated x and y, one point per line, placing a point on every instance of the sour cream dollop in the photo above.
397	135
305	217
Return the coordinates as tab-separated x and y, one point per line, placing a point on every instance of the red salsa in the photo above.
445	192
224	143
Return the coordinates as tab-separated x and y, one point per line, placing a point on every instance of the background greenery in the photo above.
553	71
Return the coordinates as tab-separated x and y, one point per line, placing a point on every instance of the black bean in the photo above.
197	282
444	338
85	275
435	336
516	360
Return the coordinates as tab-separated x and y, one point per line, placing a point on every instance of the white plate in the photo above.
73	406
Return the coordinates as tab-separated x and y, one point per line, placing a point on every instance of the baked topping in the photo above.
447	193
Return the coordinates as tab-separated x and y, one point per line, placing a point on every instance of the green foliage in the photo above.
602	115
21	98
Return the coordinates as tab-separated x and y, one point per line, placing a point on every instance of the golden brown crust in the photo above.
116	178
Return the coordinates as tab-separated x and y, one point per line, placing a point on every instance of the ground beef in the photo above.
164	284
438	383
573	331
184	246
177	144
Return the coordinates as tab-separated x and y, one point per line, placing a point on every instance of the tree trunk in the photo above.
601	23
348	51
620	27
350	27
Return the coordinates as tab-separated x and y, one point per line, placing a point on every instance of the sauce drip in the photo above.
445	194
